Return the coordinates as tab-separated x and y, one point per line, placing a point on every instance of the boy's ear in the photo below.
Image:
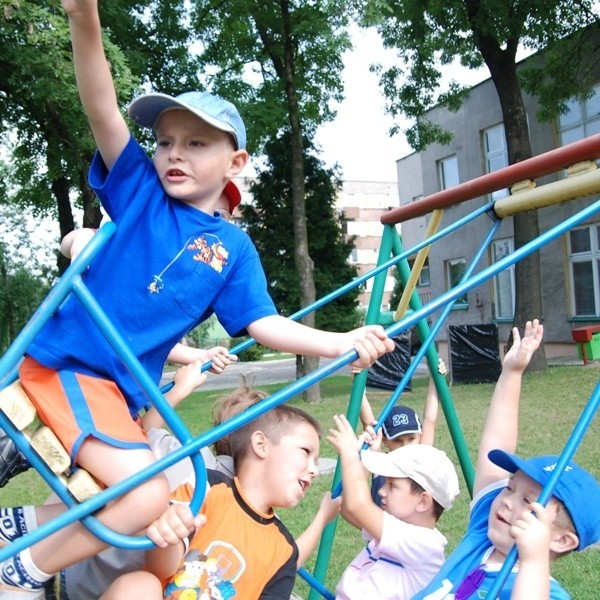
238	161
563	542
258	442
425	502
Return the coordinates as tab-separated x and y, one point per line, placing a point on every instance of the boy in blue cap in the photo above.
402	427
172	262
505	512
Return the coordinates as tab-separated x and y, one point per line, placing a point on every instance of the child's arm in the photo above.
502	421
358	507
532	536
185	381
366	413
94	80
280	333
176	524
73	243
309	538
218	355
431	409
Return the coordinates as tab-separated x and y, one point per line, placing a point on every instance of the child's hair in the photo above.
275	423
230	405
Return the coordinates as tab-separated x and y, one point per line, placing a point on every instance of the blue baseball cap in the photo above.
401	421
222	114
577	489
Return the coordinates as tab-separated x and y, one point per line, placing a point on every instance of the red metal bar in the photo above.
532	168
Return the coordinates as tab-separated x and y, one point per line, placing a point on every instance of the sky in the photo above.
358	138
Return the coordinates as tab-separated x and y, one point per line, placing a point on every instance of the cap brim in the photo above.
145	111
380	463
506	461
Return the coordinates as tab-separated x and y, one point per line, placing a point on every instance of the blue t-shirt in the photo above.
473	549
166	269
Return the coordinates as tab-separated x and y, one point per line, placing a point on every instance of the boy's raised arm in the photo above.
502	421
94	80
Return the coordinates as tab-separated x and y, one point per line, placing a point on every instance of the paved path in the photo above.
261	373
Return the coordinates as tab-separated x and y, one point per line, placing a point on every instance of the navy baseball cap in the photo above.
577	489
222	114
400	421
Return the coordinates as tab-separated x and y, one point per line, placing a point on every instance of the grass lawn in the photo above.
551	403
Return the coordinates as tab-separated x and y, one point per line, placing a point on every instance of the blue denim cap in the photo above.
577	489
400	421
222	114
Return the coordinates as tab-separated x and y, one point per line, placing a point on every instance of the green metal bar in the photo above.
358	388
441	384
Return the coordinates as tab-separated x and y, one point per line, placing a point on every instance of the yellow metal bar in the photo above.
436	217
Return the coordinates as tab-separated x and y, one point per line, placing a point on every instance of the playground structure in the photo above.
579	158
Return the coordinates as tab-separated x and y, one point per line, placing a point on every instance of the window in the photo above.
455	270
581	120
504	282
584	265
424	279
495	154
448	172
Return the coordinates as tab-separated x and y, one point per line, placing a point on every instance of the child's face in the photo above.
293	465
508	506
402	440
398	499
192	158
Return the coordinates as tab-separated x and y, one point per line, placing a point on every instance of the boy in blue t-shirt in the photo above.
172	262
505	512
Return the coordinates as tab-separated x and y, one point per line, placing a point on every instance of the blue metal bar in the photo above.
316	584
565	458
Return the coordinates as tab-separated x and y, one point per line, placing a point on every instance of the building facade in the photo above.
570	266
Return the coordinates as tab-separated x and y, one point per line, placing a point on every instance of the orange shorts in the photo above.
77	406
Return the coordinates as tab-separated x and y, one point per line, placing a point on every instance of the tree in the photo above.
24	278
267	221
431	34
43	125
282	61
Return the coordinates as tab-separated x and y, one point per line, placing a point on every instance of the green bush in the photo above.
252	354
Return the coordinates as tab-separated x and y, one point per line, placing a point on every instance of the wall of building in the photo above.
480	112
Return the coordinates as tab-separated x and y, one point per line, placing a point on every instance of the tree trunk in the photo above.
302	259
528	289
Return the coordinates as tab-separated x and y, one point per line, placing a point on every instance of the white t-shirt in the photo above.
405	560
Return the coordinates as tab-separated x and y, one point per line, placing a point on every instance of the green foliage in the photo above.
21	292
269	224
43	127
251	354
280	61
429	35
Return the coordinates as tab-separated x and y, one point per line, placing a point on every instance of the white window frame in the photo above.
589	255
448	172
495	156
506	279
